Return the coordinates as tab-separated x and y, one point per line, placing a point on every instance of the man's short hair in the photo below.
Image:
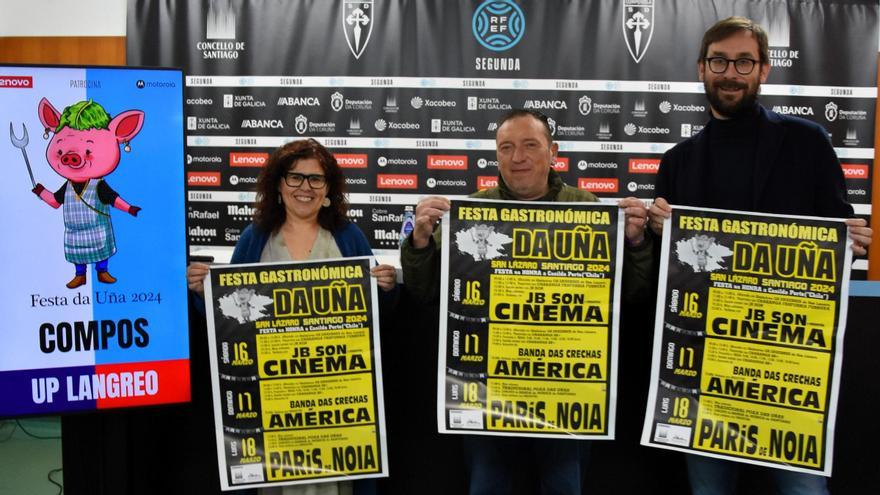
521	112
725	28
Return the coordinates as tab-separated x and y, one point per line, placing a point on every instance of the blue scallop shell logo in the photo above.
499	25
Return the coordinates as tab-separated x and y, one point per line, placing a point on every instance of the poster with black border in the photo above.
296	372
748	340
528	340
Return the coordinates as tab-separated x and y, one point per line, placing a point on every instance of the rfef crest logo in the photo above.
498	25
357	24
638	26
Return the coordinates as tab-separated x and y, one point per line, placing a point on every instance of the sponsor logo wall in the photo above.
402	127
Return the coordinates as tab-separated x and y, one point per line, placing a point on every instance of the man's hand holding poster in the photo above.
528	341
296	372
748	337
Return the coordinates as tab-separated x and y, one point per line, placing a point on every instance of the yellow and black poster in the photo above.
748	337
528	344
296	372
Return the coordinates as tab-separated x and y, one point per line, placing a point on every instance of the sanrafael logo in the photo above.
397	181
594	184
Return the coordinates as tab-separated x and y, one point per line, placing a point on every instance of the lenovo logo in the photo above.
211	179
855	171
448	162
644	165
24	82
247	159
351	161
597	185
486	181
561	164
397	181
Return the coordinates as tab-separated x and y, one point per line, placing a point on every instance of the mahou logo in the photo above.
397	181
23	82
239	159
644	165
448	162
351	160
855	170
561	164
486	181
593	184
205	179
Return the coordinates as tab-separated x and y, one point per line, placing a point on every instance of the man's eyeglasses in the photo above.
744	66
316	181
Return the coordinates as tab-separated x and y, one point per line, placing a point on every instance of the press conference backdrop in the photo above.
406	94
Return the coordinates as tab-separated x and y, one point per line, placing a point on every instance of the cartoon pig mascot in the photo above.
84	148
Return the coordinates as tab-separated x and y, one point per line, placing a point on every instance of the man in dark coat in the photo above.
748	158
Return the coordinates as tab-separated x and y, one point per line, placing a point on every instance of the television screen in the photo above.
93	261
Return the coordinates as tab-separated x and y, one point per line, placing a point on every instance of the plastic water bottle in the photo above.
408	223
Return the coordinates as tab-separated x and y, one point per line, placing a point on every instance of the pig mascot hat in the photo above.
84	148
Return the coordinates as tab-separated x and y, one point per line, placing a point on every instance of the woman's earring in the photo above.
326	202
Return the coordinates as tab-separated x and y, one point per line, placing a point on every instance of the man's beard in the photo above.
727	108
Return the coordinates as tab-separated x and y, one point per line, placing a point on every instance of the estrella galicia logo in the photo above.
638	26
585	104
499	24
301	124
831	111
357	24
336	101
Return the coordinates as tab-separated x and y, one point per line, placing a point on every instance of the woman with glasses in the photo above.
301	214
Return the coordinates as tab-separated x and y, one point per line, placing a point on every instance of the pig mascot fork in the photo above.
84	148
